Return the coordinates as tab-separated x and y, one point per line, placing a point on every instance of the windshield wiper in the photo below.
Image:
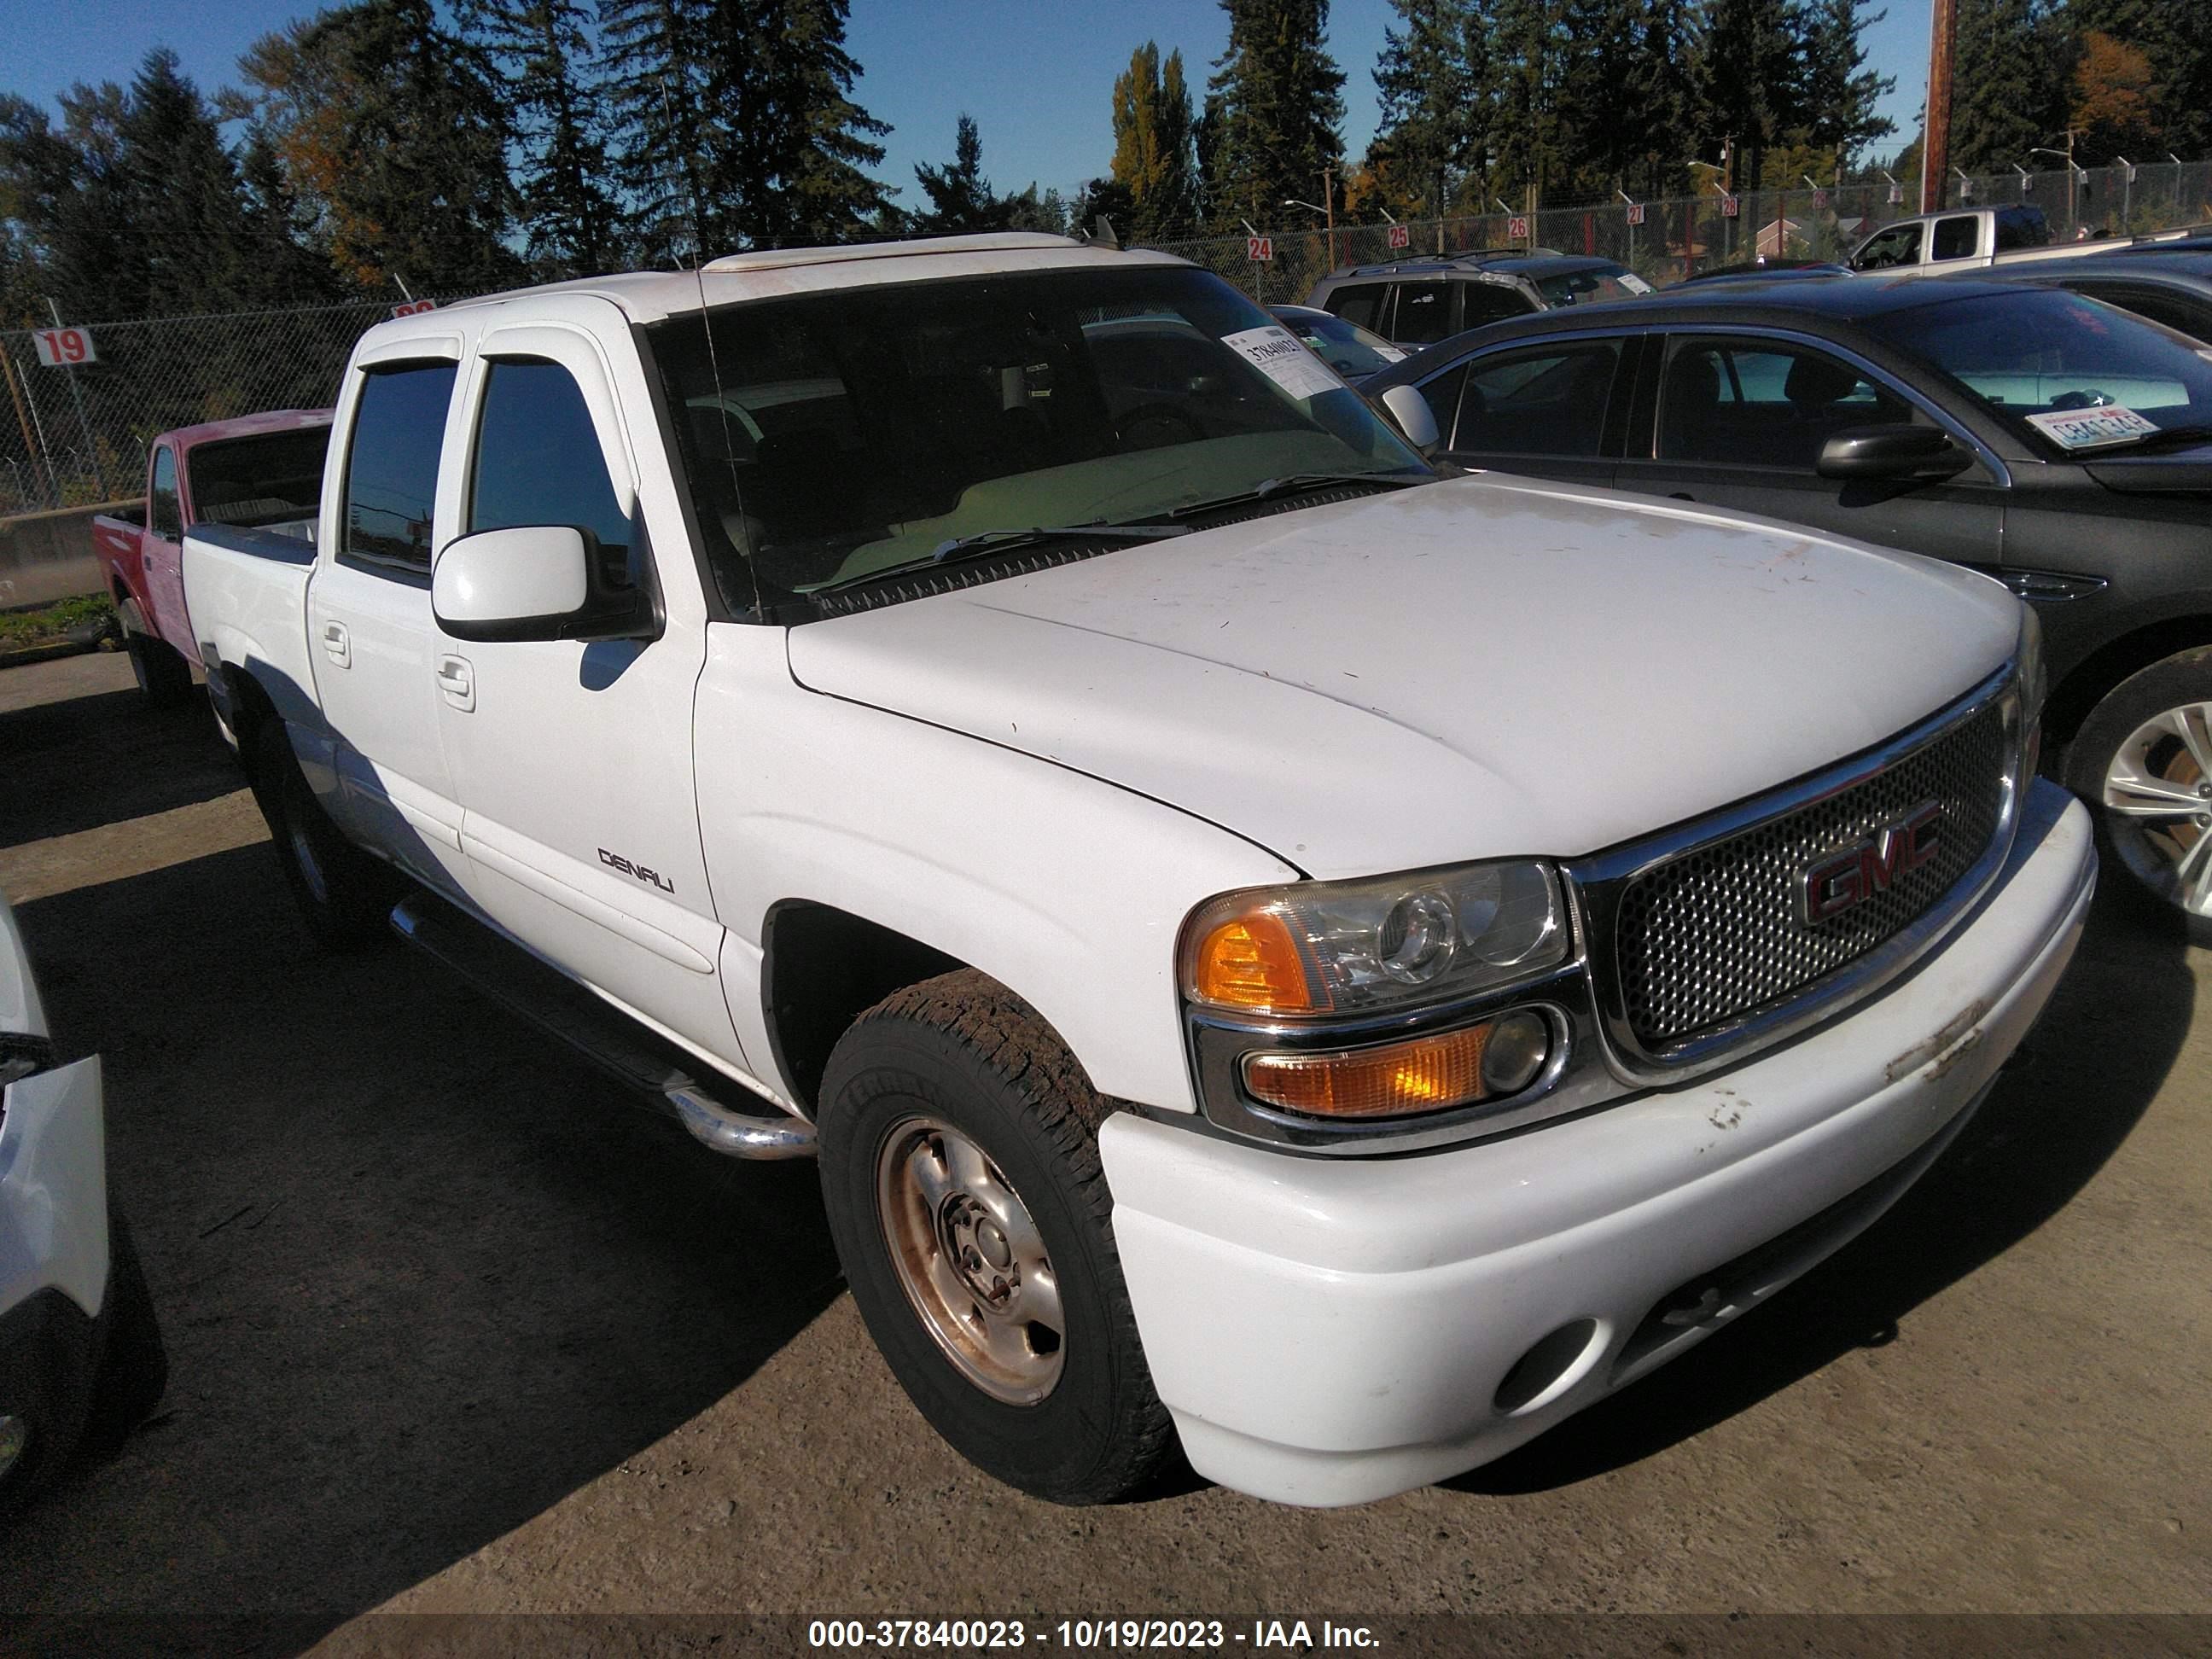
987	541
1292	483
984	542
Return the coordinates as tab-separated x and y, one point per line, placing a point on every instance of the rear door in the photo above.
1739	422
574	759
370	634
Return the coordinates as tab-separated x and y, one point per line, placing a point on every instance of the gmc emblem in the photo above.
1856	874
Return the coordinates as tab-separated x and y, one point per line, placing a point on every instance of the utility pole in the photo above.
1936	141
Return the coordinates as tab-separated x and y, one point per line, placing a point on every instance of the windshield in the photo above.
1348	349
831	436
2067	372
1588	286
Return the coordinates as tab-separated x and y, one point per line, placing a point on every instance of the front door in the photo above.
1539	409
574	758
1741	423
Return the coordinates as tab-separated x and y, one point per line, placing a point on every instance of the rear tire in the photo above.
164	678
345	895
2144	762
960	1170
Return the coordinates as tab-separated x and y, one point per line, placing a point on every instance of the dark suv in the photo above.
1418	301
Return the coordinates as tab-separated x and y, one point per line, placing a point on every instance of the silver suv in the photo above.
1417	303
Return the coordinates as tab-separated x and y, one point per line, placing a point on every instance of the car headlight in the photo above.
1336	949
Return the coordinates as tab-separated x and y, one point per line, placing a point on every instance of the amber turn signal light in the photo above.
1421	1074
1250	963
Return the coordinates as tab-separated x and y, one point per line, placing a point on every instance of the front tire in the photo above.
2143	758
164	678
960	1170
345	895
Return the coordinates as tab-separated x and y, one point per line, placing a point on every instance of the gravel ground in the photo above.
453	1328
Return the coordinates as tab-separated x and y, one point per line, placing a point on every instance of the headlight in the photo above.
1356	947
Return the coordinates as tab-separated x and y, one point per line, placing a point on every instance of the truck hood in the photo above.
1478	668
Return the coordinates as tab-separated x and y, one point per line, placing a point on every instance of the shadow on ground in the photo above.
102	759
2086	1073
420	1274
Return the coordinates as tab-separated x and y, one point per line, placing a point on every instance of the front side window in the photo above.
166	515
1424	314
829	438
392	467
538	461
1897	246
1763	404
1955	237
1546	402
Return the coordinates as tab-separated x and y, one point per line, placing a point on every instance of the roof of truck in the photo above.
186	438
650	295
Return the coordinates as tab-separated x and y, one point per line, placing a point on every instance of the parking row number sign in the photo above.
1635	213
1731	206
59	348
1516	229
1819	198
1401	236
414	305
1259	247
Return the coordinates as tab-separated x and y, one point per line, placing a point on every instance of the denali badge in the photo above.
1859	872
616	861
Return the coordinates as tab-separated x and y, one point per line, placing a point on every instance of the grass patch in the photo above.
50	624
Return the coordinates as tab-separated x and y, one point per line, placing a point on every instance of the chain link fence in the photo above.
73	436
1664	241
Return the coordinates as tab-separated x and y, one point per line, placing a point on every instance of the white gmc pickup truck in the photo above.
1275	949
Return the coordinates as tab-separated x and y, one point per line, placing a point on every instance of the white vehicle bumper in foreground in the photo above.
53	1188
1334	1331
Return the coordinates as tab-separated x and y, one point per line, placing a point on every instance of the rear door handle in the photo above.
457	678
338	644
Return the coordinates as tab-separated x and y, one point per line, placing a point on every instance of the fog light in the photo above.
1420	1075
1514	1057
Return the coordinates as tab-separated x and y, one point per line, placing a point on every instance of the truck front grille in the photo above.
1716	932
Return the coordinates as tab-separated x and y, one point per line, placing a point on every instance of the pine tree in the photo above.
2009	82
1749	80
2172	36
1276	105
62	198
1521	85
654	84
569	216
793	169
179	198
1431	129
1840	93
1153	156
282	267
959	195
393	130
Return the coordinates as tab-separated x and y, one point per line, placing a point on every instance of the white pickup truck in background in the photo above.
1275	949
1966	239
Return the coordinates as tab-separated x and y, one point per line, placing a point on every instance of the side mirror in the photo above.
1891	452
536	582
1410	413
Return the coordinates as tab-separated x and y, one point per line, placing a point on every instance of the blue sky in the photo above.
1036	75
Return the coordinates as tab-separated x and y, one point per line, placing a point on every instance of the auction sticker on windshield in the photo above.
1279	355
2091	428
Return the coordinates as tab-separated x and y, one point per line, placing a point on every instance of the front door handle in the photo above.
457	678
338	644
1680	495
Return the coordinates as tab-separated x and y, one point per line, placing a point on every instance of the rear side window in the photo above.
1360	303
1955	237
538	461
1424	314
166	517
392	467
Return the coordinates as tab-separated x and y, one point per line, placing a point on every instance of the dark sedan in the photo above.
2168	282
2053	441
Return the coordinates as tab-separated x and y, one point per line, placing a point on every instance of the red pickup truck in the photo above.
265	471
